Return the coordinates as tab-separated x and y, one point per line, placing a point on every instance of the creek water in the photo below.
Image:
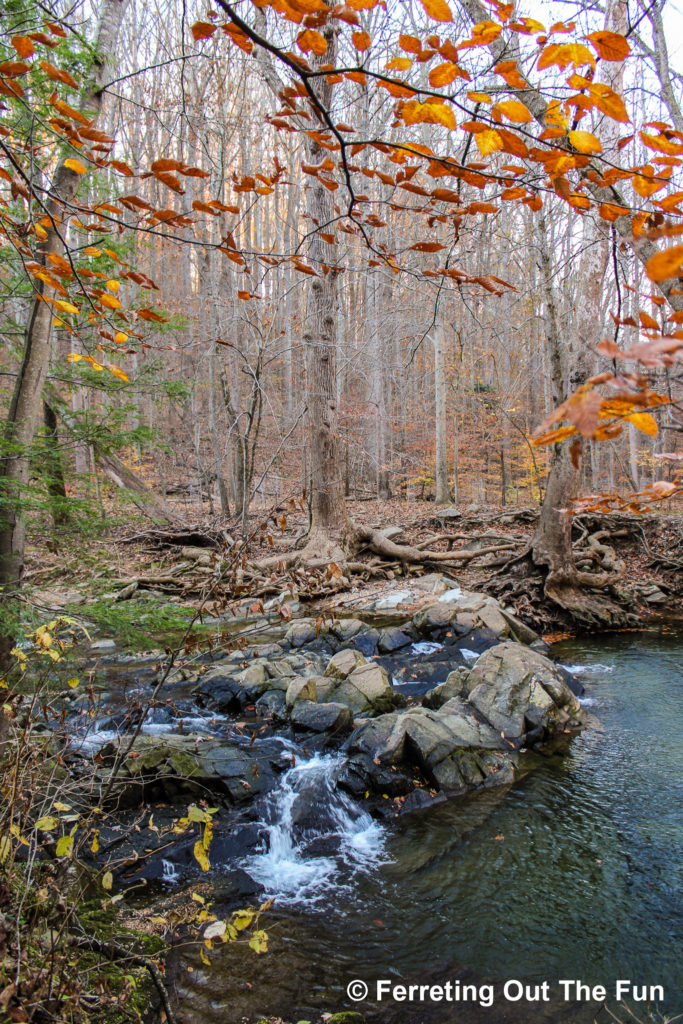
572	873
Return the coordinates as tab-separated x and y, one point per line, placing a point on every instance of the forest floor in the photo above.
199	565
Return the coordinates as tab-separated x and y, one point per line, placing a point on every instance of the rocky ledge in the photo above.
426	688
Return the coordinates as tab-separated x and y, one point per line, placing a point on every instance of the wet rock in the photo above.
492	617
453	687
366	641
301	689
520	631
420	800
344	663
301	632
254	680
393	639
173	766
435	616
103	646
366	690
517	689
220	689
330	717
272	705
345	629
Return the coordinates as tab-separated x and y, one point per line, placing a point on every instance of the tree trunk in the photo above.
329	518
52	468
442	493
26	405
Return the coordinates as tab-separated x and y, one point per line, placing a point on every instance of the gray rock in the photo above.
301	689
301	632
517	689
453	687
330	717
254	680
272	704
392	639
103	646
435	616
345	629
280	669
344	663
492	617
366	690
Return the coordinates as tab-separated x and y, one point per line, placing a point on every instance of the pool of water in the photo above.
573	873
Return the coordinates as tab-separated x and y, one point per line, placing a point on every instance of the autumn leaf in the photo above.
488	141
438	10
201	856
202	30
514	110
585	142
361	40
665	264
444	74
414	112
610	45
312	40
644	422
23	46
58	75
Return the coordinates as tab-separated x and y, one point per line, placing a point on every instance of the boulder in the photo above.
301	632
330	717
273	705
345	629
254	680
393	639
344	663
301	689
366	690
519	691
453	687
492	617
173	766
434	616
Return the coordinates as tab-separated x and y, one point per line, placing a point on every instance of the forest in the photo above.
341	527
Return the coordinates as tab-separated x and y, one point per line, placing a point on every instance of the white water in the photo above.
425	647
308	811
579	670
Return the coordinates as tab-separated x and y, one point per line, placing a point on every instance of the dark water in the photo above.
573	873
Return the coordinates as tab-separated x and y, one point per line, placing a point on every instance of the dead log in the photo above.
142	496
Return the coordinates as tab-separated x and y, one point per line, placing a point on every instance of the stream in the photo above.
572	873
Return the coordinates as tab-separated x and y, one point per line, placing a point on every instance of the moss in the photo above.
346	1017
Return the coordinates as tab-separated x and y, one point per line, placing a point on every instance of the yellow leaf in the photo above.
644	422
110	301
120	338
444	74
585	142
117	372
73	683
242	919
204	957
515	111
66	307
65	845
113	286
479	97
76	166
90	250
438	10
259	942
665	264
95	844
107	880
40	232
415	112
488	141
46	824
201	856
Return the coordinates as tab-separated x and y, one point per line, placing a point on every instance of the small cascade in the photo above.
168	872
315	837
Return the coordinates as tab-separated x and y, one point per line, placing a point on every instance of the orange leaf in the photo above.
415	112
59	75
514	110
312	40
202	30
361	40
23	46
76	166
444	74
665	264
610	45
585	142
438	10
644	422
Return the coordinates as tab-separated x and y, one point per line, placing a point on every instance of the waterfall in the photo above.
315	837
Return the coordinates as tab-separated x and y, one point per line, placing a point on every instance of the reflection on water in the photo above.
575	872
